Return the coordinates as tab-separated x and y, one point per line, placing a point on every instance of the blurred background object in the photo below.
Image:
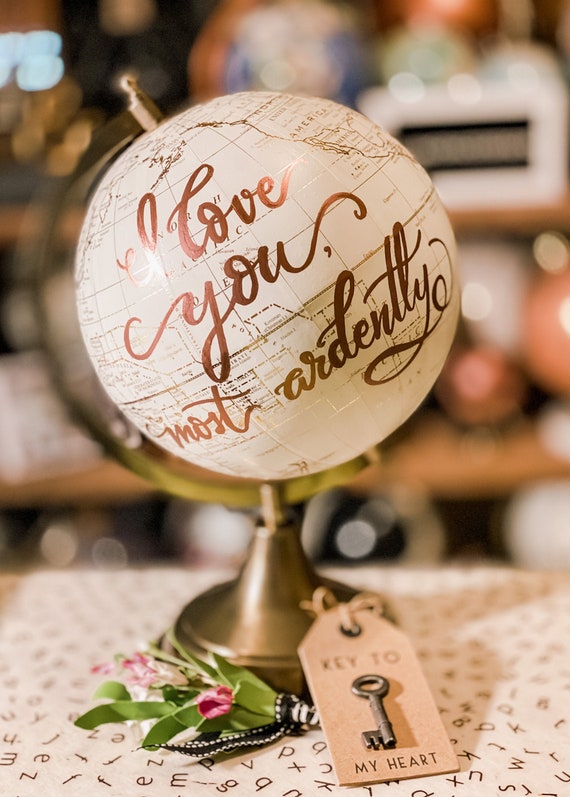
479	89
545	334
313	47
37	433
341	526
537	526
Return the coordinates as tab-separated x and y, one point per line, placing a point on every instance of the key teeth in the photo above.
370	743
374	741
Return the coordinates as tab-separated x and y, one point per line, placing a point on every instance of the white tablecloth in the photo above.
495	645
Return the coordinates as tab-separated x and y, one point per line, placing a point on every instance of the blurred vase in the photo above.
546	332
476	17
480	385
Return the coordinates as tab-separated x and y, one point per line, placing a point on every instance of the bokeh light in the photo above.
59	544
33	59
551	251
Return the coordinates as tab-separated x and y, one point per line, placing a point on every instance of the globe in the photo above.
266	285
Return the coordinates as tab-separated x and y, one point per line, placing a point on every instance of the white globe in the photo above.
266	284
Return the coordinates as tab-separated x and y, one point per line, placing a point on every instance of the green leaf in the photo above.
186	718
249	691
254	699
189	716
163	730
122	710
112	690
198	664
235	675
158	653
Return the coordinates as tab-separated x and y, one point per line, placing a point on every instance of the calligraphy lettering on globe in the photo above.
403	292
266	284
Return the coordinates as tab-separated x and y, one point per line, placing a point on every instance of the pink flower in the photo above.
215	702
106	668
145	671
142	673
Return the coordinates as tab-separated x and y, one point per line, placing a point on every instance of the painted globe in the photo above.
266	284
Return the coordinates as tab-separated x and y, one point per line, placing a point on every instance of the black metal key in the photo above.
374	688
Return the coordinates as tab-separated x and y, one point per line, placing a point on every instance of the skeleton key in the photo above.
374	688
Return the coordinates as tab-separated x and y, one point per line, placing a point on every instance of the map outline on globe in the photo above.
246	233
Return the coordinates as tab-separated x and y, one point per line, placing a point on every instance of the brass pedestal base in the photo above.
256	621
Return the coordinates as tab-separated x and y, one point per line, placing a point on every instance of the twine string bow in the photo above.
323	600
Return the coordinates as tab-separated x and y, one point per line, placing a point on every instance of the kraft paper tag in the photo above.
332	661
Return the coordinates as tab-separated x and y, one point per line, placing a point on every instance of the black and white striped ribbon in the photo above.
292	717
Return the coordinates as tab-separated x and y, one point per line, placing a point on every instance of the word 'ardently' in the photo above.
406	296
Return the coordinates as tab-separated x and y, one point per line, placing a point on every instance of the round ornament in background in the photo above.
546	332
495	275
206	535
553	428
536	528
480	385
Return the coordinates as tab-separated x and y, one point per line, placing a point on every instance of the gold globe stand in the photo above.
255	620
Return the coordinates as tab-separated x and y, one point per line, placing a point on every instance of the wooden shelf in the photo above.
450	464
104	483
520	220
433	457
